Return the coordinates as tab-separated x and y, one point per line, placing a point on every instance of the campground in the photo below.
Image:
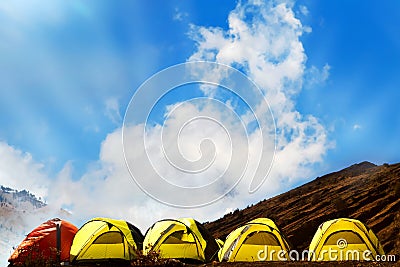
360	201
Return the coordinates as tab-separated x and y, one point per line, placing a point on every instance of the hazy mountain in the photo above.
20	212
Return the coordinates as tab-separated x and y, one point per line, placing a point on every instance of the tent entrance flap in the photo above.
245	243
184	238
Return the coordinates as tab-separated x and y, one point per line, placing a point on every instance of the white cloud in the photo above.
107	189
269	50
304	10
19	170
357	127
315	76
112	110
179	15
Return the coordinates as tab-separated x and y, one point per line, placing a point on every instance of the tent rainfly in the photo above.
106	240
49	243
184	239
257	240
344	239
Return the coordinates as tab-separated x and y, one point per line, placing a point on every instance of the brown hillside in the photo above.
363	191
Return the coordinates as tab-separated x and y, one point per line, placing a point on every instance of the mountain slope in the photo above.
363	191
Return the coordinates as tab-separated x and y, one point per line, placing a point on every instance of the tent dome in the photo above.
104	239
344	239
257	240
184	239
50	242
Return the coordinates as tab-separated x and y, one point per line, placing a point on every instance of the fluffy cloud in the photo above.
263	40
19	170
112	110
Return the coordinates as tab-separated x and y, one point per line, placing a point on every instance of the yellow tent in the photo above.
257	240
220	243
344	239
184	239
103	239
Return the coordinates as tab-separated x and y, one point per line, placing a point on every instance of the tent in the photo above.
184	239
48	243
344	239
257	240
106	240
220	243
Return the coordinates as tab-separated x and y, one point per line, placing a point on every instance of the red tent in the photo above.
48	243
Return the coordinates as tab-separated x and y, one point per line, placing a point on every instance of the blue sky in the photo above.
361	44
49	106
69	68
